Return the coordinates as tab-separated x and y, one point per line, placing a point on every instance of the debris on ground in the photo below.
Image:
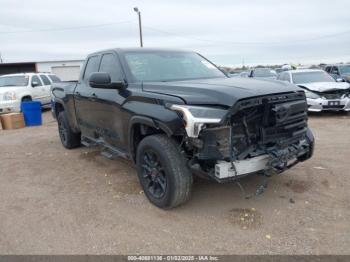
320	167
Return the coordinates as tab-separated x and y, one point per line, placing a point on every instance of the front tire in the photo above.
162	172
68	138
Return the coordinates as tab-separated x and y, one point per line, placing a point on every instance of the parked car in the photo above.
239	74
279	70
175	114
16	88
322	91
234	74
341	71
263	73
244	74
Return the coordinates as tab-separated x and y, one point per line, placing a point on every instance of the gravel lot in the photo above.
56	201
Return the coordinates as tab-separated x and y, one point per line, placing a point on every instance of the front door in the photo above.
36	89
45	89
109	114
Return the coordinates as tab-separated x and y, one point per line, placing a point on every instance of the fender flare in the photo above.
53	105
145	121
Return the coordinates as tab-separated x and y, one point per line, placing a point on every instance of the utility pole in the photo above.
140	26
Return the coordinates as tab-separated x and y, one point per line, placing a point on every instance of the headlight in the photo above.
197	116
10	95
311	95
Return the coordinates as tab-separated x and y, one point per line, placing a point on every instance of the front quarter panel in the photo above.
148	108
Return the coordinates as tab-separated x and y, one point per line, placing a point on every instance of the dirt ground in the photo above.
58	201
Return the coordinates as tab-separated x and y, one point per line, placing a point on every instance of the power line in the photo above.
247	43
211	42
66	28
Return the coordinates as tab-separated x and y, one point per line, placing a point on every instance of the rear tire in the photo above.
68	138
162	171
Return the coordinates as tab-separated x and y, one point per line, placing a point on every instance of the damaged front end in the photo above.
330	100
265	134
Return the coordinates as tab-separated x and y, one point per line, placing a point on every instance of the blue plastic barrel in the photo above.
32	113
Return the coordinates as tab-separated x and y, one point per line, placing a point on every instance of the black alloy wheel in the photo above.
153	173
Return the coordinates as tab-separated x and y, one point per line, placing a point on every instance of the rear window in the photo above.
54	78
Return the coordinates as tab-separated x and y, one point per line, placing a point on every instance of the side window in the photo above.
36	79
328	69
335	70
91	67
110	65
45	80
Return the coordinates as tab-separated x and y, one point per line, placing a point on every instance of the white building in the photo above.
66	70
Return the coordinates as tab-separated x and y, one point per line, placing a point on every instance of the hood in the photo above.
325	86
4	89
218	91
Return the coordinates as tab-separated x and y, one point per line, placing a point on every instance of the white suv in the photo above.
16	88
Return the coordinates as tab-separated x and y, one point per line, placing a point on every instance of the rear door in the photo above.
84	101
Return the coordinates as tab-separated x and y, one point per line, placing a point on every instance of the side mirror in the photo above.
103	80
35	83
340	80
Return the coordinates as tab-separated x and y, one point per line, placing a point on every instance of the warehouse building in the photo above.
67	70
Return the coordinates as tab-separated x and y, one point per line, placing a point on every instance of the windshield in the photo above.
311	77
13	81
170	66
263	72
345	69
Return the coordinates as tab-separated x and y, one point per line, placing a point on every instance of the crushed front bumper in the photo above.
275	161
322	104
10	106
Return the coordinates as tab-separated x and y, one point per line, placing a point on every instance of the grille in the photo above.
332	96
334	107
337	94
274	121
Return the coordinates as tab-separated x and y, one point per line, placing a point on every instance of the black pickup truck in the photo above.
174	114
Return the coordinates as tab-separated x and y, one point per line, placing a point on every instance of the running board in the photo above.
107	151
113	153
88	142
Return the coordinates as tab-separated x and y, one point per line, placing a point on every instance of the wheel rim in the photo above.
62	131
153	174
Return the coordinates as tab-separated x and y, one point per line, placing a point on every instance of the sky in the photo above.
228	32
